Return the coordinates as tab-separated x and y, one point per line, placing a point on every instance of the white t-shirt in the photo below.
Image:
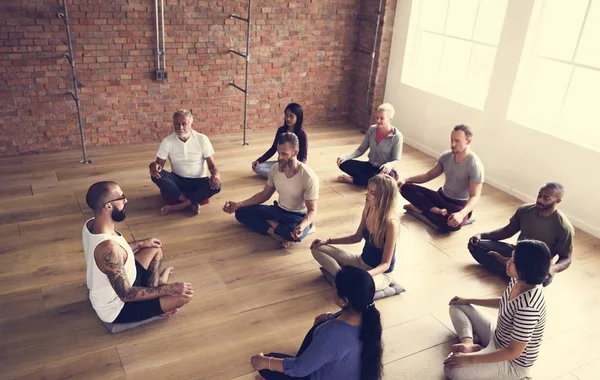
103	297
293	192
187	158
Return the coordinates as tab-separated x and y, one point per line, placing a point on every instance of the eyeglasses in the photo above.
121	198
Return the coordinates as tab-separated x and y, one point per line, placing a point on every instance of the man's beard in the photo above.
118	215
543	207
285	164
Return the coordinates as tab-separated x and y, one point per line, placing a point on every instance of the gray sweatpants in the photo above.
468	322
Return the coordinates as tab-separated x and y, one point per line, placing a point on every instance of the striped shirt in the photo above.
522	320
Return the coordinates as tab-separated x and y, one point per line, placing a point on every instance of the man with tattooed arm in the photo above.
125	286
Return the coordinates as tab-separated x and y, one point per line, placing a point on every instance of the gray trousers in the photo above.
468	322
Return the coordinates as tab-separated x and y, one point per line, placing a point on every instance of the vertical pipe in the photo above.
367	108
157	35
164	51
247	63
75	93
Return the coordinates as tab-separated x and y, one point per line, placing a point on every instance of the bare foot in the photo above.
164	275
412	208
439	211
195	209
466	347
345	179
169	314
284	243
167	209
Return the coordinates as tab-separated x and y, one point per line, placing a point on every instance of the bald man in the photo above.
538	221
125	279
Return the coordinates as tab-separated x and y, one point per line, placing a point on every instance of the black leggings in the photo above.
361	171
272	375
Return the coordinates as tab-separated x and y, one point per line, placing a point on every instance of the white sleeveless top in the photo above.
105	301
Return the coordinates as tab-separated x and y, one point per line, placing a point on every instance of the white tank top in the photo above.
103	297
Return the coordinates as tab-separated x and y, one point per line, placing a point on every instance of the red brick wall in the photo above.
367	27
301	51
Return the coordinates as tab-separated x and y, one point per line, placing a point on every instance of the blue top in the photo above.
372	255
333	354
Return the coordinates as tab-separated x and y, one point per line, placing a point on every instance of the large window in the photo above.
557	89
451	47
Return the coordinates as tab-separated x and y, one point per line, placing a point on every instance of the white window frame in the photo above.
409	72
516	112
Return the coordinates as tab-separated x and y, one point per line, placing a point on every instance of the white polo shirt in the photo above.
187	158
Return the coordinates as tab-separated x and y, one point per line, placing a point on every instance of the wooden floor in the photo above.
250	295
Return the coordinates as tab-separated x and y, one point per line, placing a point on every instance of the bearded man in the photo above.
291	218
536	221
125	280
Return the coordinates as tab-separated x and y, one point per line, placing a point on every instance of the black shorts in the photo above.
139	310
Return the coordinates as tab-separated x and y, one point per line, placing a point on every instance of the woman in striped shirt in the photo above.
508	351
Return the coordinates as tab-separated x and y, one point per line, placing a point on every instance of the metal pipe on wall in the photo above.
75	93
164	51
246	56
367	108
157	36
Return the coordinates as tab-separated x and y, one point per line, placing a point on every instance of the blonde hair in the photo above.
186	113
386	202
387	107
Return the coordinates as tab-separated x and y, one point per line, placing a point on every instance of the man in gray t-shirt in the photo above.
451	206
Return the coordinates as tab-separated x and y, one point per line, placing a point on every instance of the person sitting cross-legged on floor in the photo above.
539	221
342	346
124	286
293	116
292	217
379	227
384	143
451	206
187	150
509	350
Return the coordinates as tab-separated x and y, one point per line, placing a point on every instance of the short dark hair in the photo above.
556	187
465	128
290	138
98	194
532	261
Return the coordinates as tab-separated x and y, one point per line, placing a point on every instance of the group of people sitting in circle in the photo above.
127	283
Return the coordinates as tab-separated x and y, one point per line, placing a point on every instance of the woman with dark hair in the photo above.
508	351
345	345
293	117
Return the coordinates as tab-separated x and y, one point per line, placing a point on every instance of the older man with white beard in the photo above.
189	152
289	219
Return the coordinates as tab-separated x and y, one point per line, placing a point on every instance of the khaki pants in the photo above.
333	259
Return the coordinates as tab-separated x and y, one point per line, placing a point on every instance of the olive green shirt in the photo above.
554	230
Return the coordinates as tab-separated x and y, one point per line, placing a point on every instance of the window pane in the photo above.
559	28
490	19
433	15
546	89
580	114
461	18
428	57
588	51
480	70
455	62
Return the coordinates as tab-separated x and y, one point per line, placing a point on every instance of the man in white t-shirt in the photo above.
188	185
292	217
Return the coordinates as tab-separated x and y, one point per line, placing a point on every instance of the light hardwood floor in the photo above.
251	296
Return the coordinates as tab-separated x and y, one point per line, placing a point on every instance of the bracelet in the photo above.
327	315
328	241
270	369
